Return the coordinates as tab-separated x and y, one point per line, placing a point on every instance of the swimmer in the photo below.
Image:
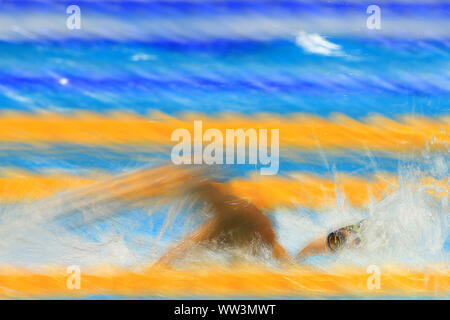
348	236
236	223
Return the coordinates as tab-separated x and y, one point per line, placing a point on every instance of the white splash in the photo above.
63	81
409	227
314	43
142	57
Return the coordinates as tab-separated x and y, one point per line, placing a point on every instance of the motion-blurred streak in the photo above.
407	134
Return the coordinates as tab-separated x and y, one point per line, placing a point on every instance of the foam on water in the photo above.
409	226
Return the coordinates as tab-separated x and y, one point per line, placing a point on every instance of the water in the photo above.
82	106
87	226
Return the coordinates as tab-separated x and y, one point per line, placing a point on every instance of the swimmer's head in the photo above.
347	236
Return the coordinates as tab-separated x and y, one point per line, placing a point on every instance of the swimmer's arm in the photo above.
280	253
318	246
211	193
188	242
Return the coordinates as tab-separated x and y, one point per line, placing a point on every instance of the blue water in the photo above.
389	77
233	56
